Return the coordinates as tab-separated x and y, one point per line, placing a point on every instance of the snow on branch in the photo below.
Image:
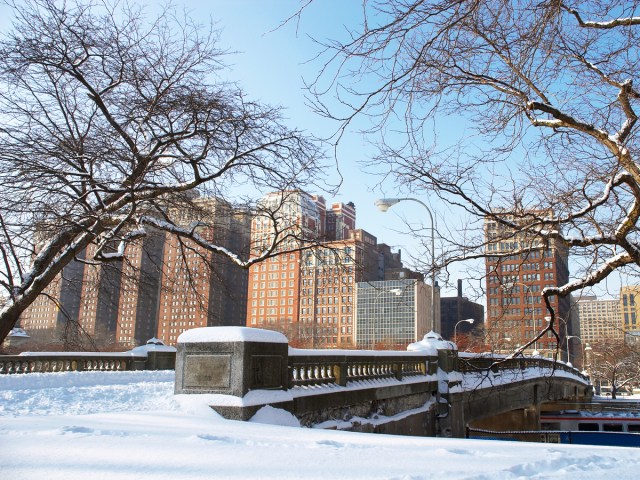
592	278
189	233
562	119
616	22
119	253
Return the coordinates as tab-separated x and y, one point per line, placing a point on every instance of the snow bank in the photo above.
275	416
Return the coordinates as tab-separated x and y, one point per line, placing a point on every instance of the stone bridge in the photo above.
428	390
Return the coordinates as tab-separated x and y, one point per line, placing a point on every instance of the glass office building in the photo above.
392	313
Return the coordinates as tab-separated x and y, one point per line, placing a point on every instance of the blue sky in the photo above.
270	61
271	64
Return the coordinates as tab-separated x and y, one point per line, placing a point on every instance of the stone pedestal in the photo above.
231	361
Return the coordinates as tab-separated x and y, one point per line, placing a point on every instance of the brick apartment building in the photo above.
310	295
162	287
518	266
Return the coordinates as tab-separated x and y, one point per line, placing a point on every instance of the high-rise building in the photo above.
340	220
519	265
161	287
274	285
598	319
198	287
630	311
310	294
392	313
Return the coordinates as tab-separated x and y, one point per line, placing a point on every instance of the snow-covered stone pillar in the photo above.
449	380
231	361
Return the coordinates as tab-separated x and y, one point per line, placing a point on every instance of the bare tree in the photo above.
615	363
111	122
507	110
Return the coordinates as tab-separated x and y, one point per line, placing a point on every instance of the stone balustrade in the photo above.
470	363
46	362
312	368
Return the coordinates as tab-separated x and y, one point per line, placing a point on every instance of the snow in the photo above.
231	334
353	353
153	345
430	344
18	332
130	425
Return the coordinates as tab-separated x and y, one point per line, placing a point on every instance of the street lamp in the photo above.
383	205
455	335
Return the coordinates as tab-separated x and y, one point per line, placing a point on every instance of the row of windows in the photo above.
271	311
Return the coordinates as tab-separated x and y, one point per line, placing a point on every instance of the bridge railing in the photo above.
46	362
315	367
469	363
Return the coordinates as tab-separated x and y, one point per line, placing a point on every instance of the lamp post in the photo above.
569	337
383	205
455	334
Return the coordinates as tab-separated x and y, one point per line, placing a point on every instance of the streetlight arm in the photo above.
383	205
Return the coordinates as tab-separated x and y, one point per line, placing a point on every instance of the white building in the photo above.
599	319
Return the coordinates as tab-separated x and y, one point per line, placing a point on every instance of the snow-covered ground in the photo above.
129	425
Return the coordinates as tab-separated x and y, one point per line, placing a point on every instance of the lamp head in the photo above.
384	204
